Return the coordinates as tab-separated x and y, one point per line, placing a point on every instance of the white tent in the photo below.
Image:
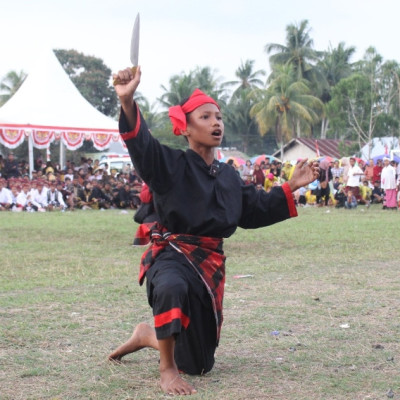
49	107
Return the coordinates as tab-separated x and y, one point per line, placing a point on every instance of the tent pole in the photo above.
62	155
30	153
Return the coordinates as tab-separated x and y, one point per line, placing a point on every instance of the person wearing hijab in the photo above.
199	202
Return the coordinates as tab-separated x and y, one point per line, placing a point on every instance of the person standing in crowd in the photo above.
369	172
324	178
258	177
199	202
10	169
377	171
337	171
247	170
354	175
388	184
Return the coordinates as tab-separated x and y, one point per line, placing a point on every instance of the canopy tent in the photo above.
49	107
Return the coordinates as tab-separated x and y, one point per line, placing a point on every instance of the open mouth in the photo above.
217	133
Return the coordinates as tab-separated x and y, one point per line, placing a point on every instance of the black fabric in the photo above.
172	283
194	198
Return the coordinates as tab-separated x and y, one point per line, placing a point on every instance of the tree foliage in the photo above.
10	84
92	78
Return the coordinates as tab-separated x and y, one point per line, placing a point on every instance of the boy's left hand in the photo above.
304	173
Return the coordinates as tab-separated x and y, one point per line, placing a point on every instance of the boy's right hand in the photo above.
127	84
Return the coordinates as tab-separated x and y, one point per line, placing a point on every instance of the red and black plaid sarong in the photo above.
204	254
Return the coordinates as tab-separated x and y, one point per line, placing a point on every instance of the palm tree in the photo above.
297	52
247	77
182	86
10	84
286	105
335	65
239	125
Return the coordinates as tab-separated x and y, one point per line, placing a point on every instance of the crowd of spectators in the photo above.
84	186
347	183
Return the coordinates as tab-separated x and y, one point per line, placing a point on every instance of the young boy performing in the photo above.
199	202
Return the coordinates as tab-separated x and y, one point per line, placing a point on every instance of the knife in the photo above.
134	47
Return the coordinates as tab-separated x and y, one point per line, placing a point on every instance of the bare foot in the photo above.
172	383
143	336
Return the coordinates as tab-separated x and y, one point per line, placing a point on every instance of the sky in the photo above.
179	35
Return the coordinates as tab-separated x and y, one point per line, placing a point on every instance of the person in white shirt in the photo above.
39	196
388	184
354	174
5	196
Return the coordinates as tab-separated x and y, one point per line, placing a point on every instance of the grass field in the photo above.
317	319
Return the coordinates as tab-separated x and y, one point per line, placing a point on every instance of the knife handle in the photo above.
116	81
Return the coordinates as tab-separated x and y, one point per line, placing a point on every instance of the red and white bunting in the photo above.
42	139
73	140
11	137
101	141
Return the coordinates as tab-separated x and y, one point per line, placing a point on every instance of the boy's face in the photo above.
205	126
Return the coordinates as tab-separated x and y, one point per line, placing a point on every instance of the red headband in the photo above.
177	114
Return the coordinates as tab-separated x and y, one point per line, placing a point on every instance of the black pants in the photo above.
182	308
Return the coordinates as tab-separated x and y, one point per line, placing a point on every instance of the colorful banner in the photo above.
11	138
101	141
42	139
73	140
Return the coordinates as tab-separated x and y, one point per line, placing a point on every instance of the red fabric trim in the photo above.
290	200
132	134
145	195
168	316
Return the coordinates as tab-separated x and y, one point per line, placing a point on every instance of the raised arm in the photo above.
125	89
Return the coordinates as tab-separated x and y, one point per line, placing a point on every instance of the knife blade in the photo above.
134	56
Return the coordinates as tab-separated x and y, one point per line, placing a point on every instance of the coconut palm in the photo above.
286	105
240	127
182	86
247	77
10	84
297	52
335	65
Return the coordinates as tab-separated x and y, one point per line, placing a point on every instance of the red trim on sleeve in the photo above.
168	316
290	200
132	134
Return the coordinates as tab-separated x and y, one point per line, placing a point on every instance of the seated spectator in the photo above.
377	193
55	199
98	195
124	199
302	201
5	196
269	182
336	183
340	197
366	193
88	201
109	194
39	196
351	201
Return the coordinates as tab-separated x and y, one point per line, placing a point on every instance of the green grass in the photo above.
328	282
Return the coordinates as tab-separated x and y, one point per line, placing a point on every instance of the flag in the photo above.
317	149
